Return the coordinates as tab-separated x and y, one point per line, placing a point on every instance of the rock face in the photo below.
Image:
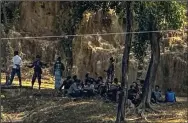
92	53
38	17
173	72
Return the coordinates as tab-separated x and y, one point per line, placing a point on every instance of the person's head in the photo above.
141	82
59	59
169	89
131	86
38	57
135	84
74	77
111	59
100	78
116	80
15	53
156	87
87	75
91	82
68	77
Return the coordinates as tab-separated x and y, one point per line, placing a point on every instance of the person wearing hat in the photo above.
58	72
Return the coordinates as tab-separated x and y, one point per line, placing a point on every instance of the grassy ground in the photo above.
45	106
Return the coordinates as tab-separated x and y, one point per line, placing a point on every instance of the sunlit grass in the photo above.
47	82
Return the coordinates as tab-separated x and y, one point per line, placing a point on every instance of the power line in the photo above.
80	35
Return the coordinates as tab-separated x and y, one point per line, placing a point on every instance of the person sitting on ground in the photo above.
74	90
88	79
89	89
102	89
113	90
66	84
170	96
135	84
98	82
75	78
132	93
156	95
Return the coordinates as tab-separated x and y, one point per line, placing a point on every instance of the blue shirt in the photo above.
170	97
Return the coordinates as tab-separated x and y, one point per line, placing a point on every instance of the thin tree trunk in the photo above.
4	14
125	62
153	66
67	47
156	59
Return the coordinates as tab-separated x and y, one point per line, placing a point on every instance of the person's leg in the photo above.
12	76
153	98
19	76
57	79
39	79
33	79
108	77
112	77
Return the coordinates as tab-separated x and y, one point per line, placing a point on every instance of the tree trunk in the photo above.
152	69
4	13
125	61
156	59
67	47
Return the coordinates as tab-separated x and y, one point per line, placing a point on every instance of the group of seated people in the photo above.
90	87
156	96
135	94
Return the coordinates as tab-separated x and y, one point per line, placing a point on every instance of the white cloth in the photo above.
16	61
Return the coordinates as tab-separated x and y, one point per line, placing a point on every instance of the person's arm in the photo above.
31	66
43	65
63	84
54	69
174	97
63	67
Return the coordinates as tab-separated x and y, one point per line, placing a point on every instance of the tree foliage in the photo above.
169	15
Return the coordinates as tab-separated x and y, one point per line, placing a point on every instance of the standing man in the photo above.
58	72
37	65
110	71
16	68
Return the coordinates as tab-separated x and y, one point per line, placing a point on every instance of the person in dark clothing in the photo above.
58	72
156	95
135	84
111	70
98	82
75	79
37	65
132	94
88	79
66	83
89	89
113	90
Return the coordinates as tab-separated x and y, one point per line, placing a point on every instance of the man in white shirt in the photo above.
16	68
